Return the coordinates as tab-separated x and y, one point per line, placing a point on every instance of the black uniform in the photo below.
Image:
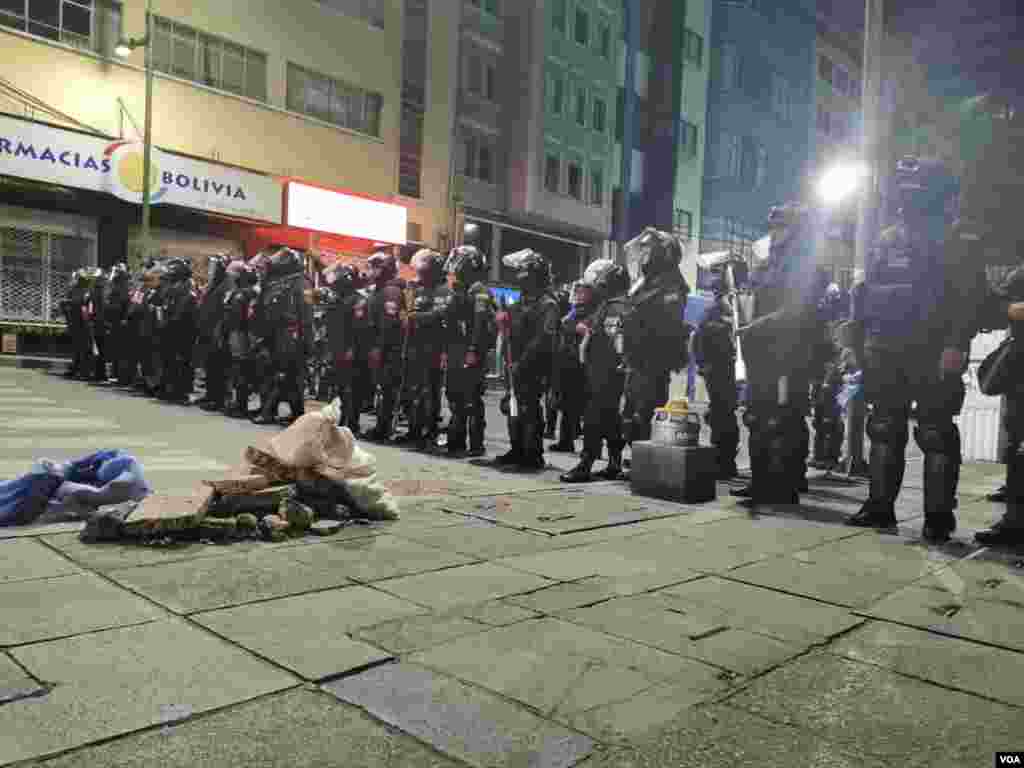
601	356
76	308
340	299
179	331
236	340
286	336
920	307
828	418
714	347
117	306
387	311
654	333
98	325
779	350
429	321
553	393
531	340
570	381
215	357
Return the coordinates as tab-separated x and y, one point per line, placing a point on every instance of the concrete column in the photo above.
495	253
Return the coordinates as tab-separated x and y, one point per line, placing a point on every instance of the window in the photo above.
581	30
347	106
825	69
762	167
729	156
683	224
410	154
552	173
581	106
781	101
575	181
693	48
731	74
490	82
184	52
600	115
620	115
370	11
475	75
558	95
597	187
93	25
604	42
558	16
491	6
688	136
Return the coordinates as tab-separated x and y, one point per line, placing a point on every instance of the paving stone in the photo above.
15	683
300	729
878	713
839	581
207	583
566	595
417	633
484	541
693	632
67	605
560	668
979	580
310	633
714	737
373	558
947	661
466	585
115	682
462	721
786	617
39	529
24	559
495	613
769	534
972	619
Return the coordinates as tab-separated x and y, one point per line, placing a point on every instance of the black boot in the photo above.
614	469
941	473
476	428
887	465
581	472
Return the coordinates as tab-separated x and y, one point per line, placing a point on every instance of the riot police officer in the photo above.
286	331
178	336
601	356
385	358
98	324
918	313
76	307
341	289
570	382
239	307
655	335
117	304
552	403
779	347
828	419
1006	308
215	358
472	332
428	323
714	347
533	325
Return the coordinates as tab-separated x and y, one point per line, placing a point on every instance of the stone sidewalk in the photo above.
504	620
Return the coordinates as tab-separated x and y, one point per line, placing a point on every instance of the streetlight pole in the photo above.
871	98
147	152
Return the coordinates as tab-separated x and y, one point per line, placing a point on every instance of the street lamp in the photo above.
124	48
840	182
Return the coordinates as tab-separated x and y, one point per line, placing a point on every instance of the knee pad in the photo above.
938	437
885	428
751	420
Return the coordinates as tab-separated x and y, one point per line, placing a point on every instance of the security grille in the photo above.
35	272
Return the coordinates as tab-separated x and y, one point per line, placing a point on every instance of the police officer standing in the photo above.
828	418
714	347
239	307
341	286
601	355
215	357
75	308
178	337
472	331
1006	308
385	357
570	383
98	323
918	313
655	335
117	304
533	325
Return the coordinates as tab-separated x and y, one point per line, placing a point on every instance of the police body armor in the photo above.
431	305
239	307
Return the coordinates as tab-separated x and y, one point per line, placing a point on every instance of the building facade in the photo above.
348	95
760	138
661	117
534	128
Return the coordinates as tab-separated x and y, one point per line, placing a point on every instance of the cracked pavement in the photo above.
504	620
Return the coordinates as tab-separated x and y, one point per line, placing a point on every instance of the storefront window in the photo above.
89	24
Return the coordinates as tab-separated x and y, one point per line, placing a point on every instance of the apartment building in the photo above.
760	118
661	117
321	124
535	128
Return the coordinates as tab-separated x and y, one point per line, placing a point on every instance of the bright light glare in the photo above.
838	183
123	50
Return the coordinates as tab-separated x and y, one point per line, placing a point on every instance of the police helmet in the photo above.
533	271
653	253
285	262
178	269
428	264
383	266
467	263
216	268
606	278
342	279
